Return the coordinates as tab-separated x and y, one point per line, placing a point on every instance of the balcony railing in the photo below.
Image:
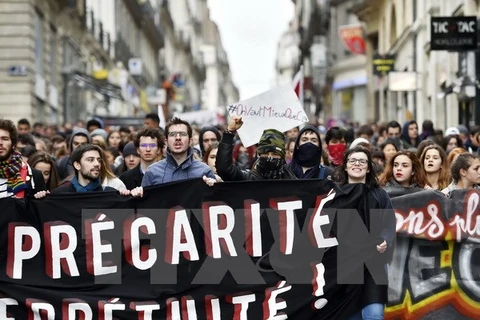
96	29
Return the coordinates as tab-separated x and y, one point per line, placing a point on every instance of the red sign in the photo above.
352	38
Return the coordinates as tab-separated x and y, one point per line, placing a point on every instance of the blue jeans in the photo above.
372	311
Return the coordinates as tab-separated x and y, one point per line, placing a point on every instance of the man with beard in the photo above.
87	163
271	156
307	154
179	163
149	143
17	178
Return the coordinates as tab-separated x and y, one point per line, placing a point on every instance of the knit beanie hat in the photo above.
129	149
99	132
272	141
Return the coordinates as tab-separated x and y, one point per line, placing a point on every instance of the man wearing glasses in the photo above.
149	143
179	163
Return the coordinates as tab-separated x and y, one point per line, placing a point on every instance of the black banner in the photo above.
434	272
453	33
245	250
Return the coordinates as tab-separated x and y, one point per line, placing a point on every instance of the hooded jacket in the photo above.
64	165
313	172
230	172
407	143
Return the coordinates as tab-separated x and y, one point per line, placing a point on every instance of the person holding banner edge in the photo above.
270	163
357	168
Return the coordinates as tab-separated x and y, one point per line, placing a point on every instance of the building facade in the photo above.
69	60
445	90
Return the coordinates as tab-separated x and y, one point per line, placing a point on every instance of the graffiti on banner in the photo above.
435	268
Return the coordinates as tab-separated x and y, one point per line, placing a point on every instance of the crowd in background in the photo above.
407	155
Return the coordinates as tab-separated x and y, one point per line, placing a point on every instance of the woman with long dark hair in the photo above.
357	168
45	163
404	170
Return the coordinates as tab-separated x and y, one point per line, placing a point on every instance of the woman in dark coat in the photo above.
357	168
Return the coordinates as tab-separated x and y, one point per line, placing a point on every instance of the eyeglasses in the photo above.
150	145
174	134
352	161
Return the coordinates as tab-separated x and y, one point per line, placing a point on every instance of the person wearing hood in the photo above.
78	137
307	154
410	133
270	163
208	136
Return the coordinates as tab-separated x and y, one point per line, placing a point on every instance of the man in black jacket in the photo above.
270	163
149	143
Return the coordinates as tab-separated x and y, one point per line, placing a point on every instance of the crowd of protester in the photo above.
87	156
402	155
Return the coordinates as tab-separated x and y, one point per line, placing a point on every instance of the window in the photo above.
39	42
53	55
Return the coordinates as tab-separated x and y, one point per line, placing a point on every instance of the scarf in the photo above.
88	188
336	152
11	170
270	168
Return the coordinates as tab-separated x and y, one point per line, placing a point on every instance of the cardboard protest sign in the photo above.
278	108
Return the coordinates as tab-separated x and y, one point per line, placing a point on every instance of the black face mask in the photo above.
308	155
270	168
242	161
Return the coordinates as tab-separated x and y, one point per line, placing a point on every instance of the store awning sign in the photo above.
453	33
352	37
383	64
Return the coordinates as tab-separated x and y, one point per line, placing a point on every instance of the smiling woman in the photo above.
357	168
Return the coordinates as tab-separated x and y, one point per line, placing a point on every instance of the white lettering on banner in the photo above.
241	305
75	306
287	224
21	251
189	305
317	221
4	303
416	223
180	238
469	227
173	309
60	249
318	285
253	229
212	227
106	308
137	261
272	304
145	309
212	308
96	248
40	310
